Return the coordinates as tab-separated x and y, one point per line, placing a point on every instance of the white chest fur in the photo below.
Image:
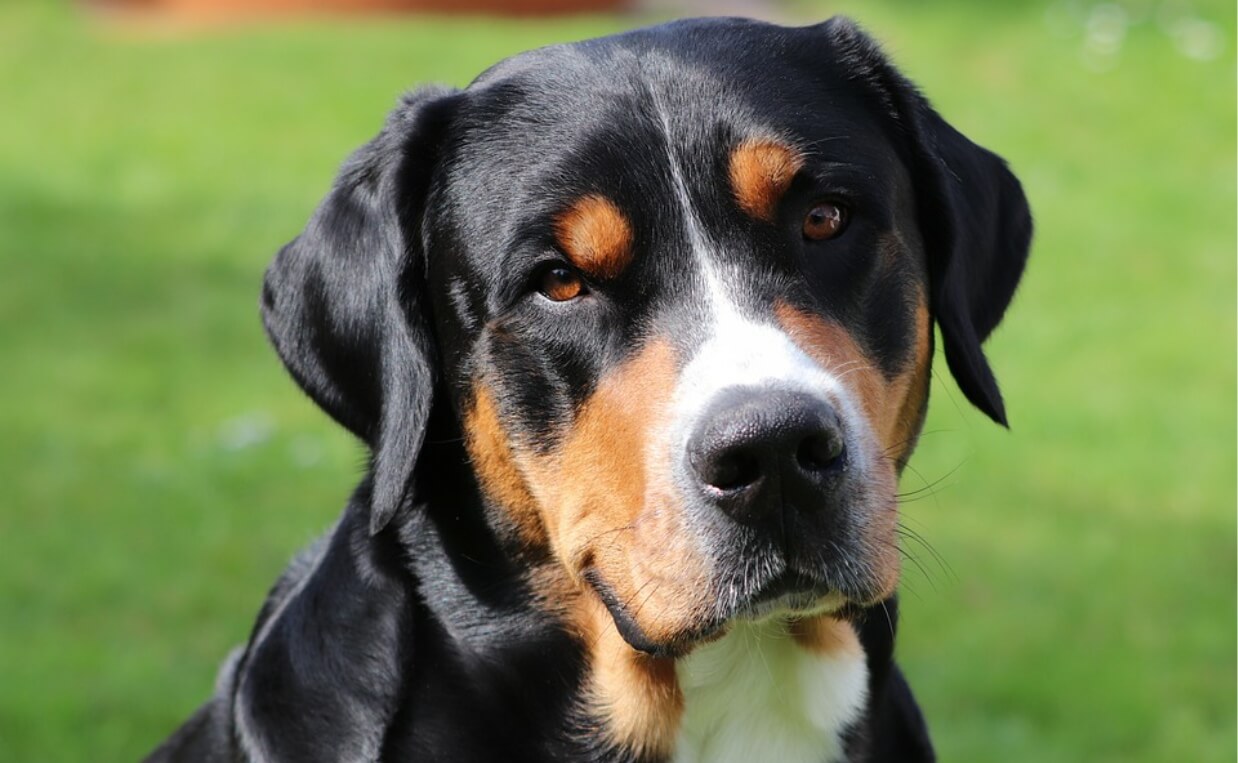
757	694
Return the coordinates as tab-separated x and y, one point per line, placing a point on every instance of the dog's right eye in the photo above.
560	282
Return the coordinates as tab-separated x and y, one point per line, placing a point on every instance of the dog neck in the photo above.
772	690
778	689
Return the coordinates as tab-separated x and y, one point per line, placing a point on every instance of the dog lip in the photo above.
788	583
631	630
789	593
627	626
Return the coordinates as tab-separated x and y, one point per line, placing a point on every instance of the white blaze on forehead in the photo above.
738	351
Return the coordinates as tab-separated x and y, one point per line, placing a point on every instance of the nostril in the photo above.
820	451
732	470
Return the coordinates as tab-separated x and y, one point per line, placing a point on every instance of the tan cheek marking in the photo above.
608	502
599	478
887	404
596	236
911	415
891	408
826	636
605	497
625	512
639	699
495	465
761	171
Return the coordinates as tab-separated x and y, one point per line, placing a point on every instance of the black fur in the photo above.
411	631
973	215
343	302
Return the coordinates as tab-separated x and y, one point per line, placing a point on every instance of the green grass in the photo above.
158	467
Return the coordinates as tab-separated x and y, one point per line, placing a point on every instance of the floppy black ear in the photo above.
975	219
977	228
343	302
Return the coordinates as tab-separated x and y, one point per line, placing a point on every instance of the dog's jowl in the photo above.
638	331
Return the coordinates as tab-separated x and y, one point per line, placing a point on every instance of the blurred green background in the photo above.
157	467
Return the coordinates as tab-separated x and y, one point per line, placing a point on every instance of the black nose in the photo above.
756	452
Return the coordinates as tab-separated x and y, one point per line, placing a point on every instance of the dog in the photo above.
638	332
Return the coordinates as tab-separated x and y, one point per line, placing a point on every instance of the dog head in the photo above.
677	287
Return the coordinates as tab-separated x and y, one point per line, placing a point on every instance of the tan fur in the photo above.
911	416
826	636
494	463
761	172
595	236
615	506
615	510
604	499
638	696
891	408
888	405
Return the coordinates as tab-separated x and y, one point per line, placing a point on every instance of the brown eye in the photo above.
560	283
824	221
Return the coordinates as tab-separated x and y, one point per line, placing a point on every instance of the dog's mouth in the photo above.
793	595
788	595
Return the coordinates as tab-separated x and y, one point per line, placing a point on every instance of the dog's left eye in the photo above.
560	283
824	221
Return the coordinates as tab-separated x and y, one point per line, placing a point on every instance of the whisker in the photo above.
612	531
640	607
905	587
598	636
856	369
889	620
910	557
921	436
942	563
930	485
915	560
940	383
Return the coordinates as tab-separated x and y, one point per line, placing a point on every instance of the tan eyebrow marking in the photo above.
596	236
761	172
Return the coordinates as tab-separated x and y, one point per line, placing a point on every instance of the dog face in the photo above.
677	287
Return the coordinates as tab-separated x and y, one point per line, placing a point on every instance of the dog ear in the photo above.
973	214
977	228
344	302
